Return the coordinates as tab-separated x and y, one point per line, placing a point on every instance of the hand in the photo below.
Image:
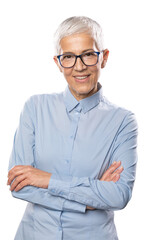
111	174
90	208
24	175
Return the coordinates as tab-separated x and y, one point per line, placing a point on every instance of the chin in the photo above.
84	90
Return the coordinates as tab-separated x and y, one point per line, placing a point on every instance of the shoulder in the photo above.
122	115
37	100
38	103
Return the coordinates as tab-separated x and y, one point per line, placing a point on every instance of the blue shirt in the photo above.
76	141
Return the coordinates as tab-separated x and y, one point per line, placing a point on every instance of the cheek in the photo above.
95	72
67	73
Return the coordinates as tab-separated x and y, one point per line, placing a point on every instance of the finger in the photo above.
13	169
110	170
13	176
17	181
116	178
113	167
21	185
91	208
119	170
116	174
16	171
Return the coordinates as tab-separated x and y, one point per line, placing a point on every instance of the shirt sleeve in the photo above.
23	154
102	194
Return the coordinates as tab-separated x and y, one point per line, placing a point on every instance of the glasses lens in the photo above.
90	58
67	60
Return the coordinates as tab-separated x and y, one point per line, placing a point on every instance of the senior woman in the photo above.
74	153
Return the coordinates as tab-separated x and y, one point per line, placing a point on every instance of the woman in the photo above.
74	153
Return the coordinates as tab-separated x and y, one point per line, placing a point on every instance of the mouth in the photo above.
81	78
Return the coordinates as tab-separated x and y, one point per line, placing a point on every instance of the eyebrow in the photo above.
91	49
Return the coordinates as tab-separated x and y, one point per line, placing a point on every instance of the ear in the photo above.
105	58
57	63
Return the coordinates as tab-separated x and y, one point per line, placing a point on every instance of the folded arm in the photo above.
102	194
23	154
21	176
112	191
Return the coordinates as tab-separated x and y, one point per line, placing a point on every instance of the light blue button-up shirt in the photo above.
76	141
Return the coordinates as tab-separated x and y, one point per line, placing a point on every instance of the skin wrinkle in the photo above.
77	44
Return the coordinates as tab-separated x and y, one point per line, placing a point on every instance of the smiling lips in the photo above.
80	78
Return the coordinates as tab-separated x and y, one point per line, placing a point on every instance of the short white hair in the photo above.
78	24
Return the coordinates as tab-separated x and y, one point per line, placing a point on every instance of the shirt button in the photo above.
67	161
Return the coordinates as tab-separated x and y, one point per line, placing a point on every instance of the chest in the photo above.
74	143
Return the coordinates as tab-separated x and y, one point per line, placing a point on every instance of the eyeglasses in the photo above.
87	58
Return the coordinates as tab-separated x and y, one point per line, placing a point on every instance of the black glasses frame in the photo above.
79	56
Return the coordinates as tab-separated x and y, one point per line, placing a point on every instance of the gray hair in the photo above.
74	25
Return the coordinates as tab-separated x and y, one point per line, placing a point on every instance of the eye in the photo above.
89	54
67	57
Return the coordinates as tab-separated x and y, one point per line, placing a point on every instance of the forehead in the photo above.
77	43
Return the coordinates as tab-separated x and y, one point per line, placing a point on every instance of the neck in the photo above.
79	96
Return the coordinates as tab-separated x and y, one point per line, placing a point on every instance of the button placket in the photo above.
74	126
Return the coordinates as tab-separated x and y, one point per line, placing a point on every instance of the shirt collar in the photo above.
86	104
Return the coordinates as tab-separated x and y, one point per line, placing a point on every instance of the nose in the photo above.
79	65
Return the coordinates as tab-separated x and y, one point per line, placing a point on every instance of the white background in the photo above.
130	79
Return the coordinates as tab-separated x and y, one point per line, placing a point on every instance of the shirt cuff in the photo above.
61	189
75	206
59	186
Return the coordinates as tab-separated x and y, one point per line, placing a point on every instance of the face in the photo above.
82	80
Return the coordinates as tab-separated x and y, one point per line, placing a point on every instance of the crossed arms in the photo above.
111	192
23	175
